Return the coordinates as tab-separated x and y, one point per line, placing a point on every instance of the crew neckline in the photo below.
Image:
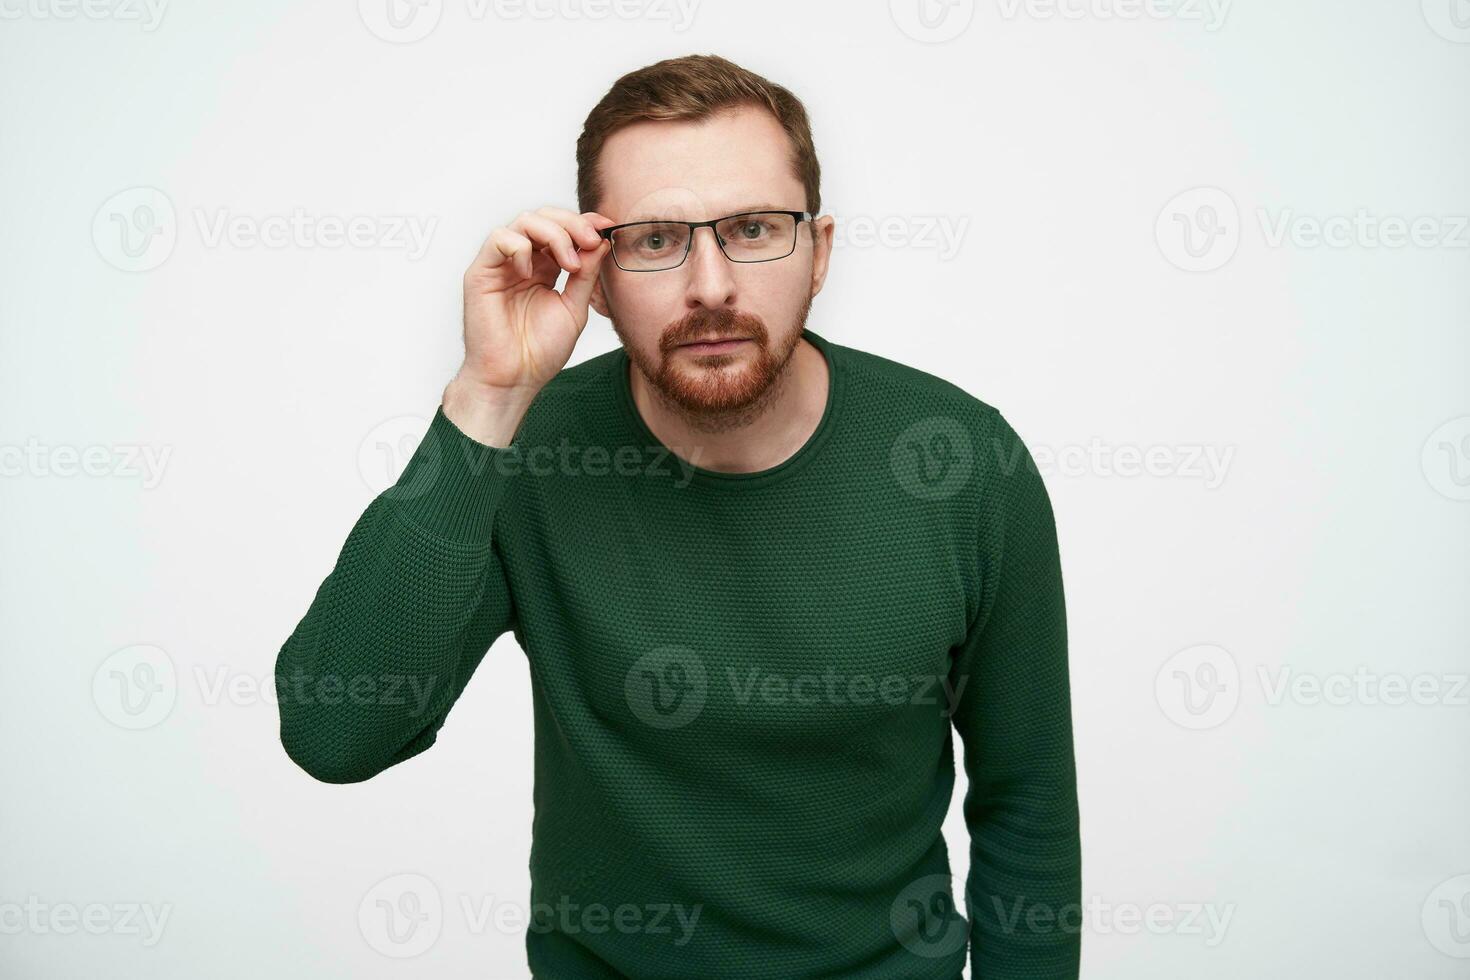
622	385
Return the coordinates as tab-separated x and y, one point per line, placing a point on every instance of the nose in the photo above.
710	282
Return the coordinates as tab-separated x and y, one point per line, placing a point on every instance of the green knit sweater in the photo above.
743	684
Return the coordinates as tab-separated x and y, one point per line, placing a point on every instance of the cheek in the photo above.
778	302
775	292
644	310
641	296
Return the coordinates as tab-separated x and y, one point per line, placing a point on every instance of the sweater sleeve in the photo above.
1014	715
395	631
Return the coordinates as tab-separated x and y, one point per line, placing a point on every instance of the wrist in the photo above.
487	414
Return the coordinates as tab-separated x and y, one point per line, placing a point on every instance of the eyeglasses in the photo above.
750	236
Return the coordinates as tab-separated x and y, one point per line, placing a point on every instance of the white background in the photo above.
1230	829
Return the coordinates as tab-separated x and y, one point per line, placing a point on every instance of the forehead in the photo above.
696	169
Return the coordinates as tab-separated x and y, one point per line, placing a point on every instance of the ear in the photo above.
599	298
822	233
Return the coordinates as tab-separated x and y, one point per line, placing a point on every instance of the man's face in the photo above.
735	161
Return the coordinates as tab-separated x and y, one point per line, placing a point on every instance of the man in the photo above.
757	576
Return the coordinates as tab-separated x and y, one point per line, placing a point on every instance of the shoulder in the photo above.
575	380
910	398
936	427
579	394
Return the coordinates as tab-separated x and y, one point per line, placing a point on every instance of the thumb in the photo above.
578	290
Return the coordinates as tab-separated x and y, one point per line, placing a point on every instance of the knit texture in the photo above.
744	685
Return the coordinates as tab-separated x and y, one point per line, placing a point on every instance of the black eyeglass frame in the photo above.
800	216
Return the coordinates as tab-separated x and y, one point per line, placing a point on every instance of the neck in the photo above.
754	438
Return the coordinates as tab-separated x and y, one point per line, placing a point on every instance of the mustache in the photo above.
703	323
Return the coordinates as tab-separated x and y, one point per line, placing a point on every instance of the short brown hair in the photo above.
692	87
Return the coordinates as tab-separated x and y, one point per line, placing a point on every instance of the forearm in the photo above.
1025	886
1024	890
487	415
396	629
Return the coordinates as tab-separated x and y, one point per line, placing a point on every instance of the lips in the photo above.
711	340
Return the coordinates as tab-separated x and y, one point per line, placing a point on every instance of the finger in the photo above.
545	269
578	291
504	246
543	231
599	221
583	232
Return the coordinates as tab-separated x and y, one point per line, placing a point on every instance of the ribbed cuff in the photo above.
452	484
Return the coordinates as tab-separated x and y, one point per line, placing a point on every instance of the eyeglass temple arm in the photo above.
799	215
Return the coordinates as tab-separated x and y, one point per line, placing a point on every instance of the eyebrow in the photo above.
739	209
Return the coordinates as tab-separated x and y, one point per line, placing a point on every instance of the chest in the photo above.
740	621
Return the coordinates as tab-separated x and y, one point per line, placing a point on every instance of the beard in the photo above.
721	390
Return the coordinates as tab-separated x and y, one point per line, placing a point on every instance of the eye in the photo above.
657	238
